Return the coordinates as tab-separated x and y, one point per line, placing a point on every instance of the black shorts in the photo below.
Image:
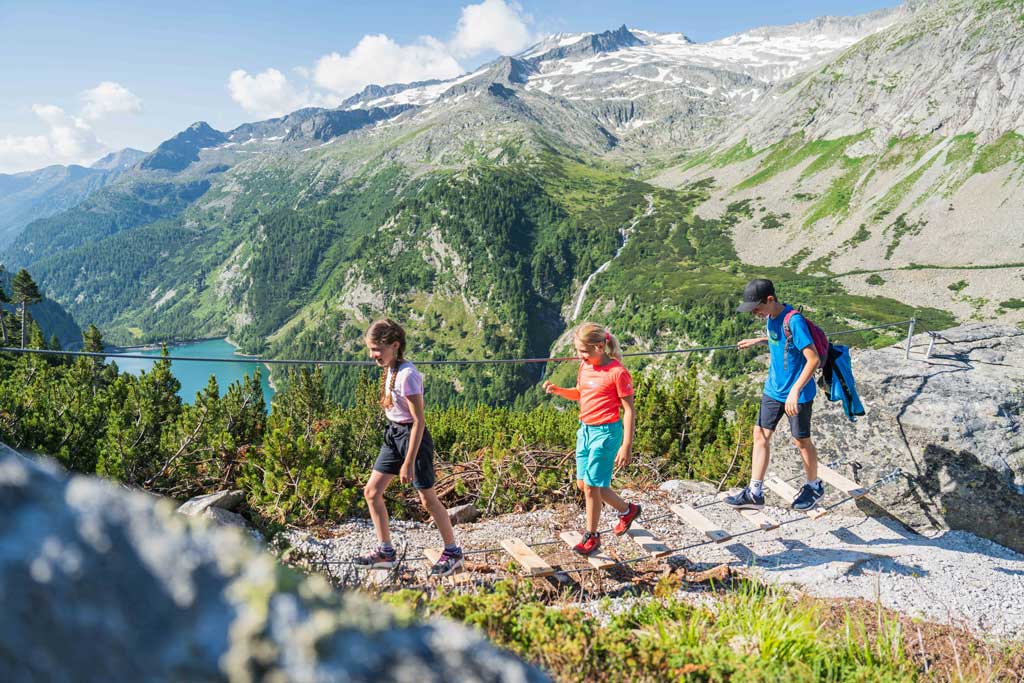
396	445
772	411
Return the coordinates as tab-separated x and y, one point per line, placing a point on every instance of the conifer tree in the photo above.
25	293
4	299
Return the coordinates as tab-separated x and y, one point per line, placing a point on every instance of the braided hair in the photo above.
383	332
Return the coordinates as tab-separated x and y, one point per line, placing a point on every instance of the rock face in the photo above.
98	585
951	422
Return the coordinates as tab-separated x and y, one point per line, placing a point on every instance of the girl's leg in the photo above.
373	492
433	505
593	496
615	500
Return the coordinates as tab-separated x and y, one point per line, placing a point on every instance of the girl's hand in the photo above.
623	457
405	474
550	388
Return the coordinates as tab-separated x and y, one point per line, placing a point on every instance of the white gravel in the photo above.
953	577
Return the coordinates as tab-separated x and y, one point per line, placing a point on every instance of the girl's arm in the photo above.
572	394
625	454
415	436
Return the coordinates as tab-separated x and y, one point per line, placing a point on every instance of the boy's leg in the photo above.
810	457
433	505
373	492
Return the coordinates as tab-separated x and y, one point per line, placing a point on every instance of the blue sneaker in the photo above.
745	500
808	497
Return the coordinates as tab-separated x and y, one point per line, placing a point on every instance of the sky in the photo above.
79	79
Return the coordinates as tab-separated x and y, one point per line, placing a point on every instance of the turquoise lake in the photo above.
194	375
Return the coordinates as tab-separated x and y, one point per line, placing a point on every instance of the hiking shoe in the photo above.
632	512
745	500
449	561
808	497
377	560
589	544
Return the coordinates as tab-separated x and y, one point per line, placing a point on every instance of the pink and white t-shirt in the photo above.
408	382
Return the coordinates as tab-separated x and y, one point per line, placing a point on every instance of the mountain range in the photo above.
872	165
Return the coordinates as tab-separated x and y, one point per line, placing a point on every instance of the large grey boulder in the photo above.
101	584
951	422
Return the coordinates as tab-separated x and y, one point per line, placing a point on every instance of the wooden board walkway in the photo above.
526	557
847	486
654	546
598	560
788	493
757	517
694	518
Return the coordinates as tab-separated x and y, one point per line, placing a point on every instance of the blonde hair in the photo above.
595	335
382	332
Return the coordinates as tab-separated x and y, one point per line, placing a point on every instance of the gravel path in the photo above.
953	577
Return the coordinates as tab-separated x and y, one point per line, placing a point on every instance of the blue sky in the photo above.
82	78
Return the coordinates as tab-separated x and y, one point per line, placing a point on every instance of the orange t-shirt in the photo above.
601	387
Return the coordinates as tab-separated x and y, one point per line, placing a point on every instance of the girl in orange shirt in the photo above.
603	386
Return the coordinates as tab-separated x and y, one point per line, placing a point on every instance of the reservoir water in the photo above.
194	375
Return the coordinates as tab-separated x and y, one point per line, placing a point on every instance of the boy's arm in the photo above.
793	400
747	343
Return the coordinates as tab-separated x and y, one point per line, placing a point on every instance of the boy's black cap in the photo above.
756	292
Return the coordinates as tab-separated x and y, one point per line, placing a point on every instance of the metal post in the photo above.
931	345
910	334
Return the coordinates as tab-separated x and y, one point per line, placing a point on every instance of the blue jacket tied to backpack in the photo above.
837	380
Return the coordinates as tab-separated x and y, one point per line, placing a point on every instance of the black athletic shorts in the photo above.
396	445
772	411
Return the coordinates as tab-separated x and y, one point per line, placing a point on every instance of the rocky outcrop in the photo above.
181	150
100	584
951	422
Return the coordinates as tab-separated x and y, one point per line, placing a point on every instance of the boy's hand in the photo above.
747	343
793	403
623	457
405	474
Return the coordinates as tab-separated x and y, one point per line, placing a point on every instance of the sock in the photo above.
756	487
816	483
629	506
453	549
590	534
386	549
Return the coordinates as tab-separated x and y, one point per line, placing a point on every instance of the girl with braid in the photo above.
408	451
603	386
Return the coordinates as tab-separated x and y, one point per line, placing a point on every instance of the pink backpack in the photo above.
821	343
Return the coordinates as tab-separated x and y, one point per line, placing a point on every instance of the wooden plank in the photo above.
647	540
694	518
460	575
757	517
788	493
598	560
526	557
847	486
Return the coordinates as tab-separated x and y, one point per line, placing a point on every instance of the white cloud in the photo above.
69	140
379	59
109	98
493	25
490	26
266	94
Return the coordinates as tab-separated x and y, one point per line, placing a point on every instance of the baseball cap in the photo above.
756	292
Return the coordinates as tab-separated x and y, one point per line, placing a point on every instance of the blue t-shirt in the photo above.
783	373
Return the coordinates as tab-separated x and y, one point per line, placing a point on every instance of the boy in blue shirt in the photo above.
788	390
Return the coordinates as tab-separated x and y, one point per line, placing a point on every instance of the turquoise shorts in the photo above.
596	448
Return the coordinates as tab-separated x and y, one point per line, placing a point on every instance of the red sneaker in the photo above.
627	519
589	544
